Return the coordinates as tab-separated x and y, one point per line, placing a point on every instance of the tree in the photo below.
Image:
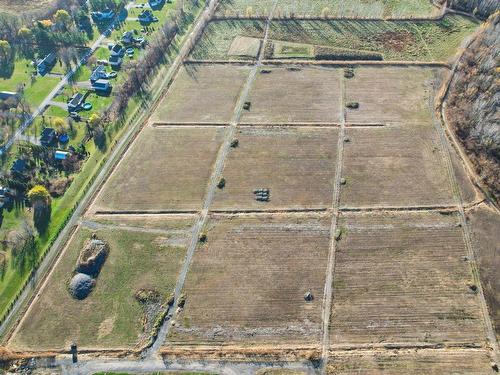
94	119
5	52
62	17
40	198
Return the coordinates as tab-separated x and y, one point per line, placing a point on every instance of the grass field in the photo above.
247	282
306	95
411	362
358	8
392	95
202	93
215	43
245	8
396	40
394	167
296	164
110	316
164	169
402	278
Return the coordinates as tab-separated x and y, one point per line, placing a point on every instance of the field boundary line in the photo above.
337	186
340	63
269	211
457	195
145	212
164	124
210	192
400	208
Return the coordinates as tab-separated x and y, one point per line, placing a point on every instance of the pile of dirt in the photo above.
92	257
88	266
81	285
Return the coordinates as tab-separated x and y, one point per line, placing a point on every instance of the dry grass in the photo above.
403	278
247	283
245	47
485	223
110	317
202	93
296	164
164	169
288	96
17	6
392	95
411	362
394	167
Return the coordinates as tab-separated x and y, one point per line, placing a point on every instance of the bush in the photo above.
326	53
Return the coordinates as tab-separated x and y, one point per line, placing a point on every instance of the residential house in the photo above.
115	62
45	65
75	102
103	16
98	73
102	86
19	167
147	16
117	50
48	137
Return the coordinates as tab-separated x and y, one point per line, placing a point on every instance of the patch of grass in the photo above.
110	315
218	36
396	40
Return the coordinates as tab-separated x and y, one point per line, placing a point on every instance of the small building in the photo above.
128	38
147	16
46	64
103	16
19	167
102	86
48	137
6	95
61	155
117	50
98	73
75	102
115	61
156	3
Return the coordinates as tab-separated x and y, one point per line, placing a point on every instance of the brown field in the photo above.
411	362
485	224
110	317
202	93
247	283
403	278
297	165
392	95
286	96
164	169
394	166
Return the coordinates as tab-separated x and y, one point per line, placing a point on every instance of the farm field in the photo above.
17	6
111	316
485	223
296	164
175	176
395	167
202	94
402	278
389	95
313	95
401	40
395	40
411	362
247	282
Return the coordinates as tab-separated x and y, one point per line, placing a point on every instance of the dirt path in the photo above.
328	291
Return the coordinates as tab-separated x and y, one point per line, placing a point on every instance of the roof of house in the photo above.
76	99
98	72
47	60
61	155
19	166
115	59
48	132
